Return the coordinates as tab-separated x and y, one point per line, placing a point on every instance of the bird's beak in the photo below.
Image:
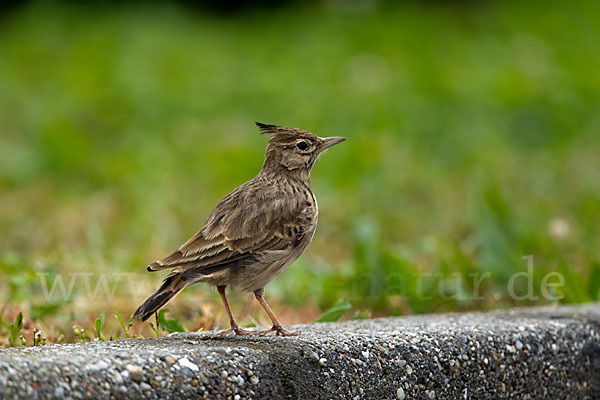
330	141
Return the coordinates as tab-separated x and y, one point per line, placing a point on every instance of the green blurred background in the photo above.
473	140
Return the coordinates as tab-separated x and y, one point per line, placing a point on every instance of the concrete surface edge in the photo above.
549	352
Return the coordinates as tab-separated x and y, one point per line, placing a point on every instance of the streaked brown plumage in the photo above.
254	232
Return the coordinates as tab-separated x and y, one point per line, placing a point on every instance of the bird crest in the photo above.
276	131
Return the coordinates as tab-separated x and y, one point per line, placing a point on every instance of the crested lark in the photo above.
254	232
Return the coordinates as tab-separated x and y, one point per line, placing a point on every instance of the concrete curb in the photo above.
523	353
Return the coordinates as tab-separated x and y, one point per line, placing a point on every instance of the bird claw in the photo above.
222	333
238	331
280	331
244	332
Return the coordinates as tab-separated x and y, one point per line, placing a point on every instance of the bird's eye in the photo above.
302	145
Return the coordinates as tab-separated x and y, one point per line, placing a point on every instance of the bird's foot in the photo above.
280	331
238	331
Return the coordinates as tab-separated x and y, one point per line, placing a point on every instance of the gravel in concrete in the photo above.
529	353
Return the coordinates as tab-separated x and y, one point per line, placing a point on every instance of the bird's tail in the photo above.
172	285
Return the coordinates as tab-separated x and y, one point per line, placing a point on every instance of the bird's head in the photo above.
293	151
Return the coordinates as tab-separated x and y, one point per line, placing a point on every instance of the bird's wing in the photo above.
248	221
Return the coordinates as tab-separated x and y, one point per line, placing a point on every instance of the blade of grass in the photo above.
335	312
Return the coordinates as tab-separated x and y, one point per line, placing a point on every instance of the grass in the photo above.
473	141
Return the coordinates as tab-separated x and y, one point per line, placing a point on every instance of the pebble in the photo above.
134	369
519	345
240	381
311	354
185	363
400	394
116	377
98	366
203	378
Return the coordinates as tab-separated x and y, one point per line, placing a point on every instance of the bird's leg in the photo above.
234	326
277	327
